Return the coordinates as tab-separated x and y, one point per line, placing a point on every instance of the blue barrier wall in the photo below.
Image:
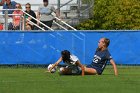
45	47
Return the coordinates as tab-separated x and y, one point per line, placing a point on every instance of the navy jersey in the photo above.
100	60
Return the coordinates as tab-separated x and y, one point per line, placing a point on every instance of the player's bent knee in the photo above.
61	71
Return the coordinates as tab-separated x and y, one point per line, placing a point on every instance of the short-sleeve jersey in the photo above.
73	61
100	59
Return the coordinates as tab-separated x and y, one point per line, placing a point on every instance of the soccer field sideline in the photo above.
27	80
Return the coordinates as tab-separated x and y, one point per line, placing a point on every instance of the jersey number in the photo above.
95	60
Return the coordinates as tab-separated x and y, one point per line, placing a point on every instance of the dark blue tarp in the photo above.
45	47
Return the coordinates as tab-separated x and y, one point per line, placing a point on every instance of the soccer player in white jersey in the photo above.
73	65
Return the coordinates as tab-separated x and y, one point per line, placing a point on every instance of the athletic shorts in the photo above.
75	70
99	71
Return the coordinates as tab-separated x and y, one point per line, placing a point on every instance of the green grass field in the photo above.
34	80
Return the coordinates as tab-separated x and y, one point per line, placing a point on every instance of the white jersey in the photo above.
76	70
73	61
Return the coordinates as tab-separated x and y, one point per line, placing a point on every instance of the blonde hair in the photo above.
106	41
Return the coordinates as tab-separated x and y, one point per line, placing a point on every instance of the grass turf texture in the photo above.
34	80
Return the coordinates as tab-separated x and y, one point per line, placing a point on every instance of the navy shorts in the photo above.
99	71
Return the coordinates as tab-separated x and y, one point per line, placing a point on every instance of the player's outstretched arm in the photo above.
114	67
56	63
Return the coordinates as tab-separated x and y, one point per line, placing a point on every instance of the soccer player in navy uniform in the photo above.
101	57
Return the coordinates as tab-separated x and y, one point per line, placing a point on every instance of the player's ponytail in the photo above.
106	41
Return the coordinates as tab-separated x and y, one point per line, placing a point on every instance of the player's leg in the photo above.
65	71
90	71
70	70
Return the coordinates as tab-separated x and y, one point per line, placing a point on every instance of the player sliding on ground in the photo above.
73	65
101	57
